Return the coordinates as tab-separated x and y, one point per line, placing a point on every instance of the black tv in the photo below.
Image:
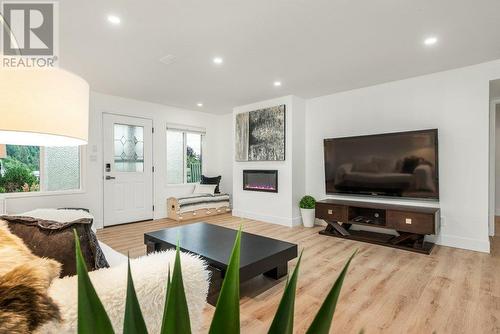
401	164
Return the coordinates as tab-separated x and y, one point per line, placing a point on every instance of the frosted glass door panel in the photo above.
129	148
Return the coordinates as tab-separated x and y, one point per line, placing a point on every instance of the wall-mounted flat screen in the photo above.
402	164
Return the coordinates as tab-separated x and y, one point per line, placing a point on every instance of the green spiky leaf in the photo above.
323	320
283	319
168	285
166	297
227	312
176	313
92	317
133	322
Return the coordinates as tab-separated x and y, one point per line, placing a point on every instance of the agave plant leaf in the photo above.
176	313
166	295
92	317
133	322
226	318
323	320
169	280
283	319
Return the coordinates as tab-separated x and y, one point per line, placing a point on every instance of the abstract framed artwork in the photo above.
260	135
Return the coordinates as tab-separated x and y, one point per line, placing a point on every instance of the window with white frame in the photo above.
39	169
184	155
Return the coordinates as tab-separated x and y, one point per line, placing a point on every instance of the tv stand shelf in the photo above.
412	223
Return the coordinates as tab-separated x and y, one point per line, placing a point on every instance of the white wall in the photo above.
457	103
298	156
91	195
278	208
495	90
224	151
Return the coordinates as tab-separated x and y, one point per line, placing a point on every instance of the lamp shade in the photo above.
43	107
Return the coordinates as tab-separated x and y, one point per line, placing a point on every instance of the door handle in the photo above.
110	177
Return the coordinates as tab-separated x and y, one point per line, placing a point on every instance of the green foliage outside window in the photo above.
17	169
28	155
193	162
17	177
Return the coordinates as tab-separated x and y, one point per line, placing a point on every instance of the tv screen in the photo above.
403	164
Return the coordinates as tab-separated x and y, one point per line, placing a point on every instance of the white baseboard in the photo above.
464	243
290	222
297	221
98	224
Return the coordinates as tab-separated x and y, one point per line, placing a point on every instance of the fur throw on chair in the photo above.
24	280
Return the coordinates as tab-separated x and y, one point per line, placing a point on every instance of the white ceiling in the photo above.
315	47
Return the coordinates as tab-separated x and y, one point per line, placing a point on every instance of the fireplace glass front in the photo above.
260	180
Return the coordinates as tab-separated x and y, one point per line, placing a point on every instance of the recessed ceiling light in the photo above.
199	104
218	60
114	19
430	40
277	83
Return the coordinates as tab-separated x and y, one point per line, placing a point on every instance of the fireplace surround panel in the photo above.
260	180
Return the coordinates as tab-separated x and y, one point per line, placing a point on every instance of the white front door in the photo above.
128	175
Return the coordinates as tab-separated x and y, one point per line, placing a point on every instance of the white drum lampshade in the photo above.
43	107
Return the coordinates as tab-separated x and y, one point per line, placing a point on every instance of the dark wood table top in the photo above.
386	206
215	244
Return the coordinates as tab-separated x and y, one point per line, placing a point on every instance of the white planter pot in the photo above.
308	217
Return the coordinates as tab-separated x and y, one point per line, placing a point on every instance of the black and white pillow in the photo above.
212	180
207	189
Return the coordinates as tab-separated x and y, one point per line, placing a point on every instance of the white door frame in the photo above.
492	168
103	160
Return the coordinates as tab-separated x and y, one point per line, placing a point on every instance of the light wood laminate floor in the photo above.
386	290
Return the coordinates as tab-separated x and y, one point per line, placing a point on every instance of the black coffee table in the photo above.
259	255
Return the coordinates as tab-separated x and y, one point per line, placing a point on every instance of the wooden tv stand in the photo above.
411	222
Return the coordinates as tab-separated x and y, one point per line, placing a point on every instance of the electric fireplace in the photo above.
260	180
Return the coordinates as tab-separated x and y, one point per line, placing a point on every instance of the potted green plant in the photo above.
307	210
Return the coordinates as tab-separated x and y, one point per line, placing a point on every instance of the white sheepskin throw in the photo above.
60	216
150	277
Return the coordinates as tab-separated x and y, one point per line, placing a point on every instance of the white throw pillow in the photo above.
204	189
